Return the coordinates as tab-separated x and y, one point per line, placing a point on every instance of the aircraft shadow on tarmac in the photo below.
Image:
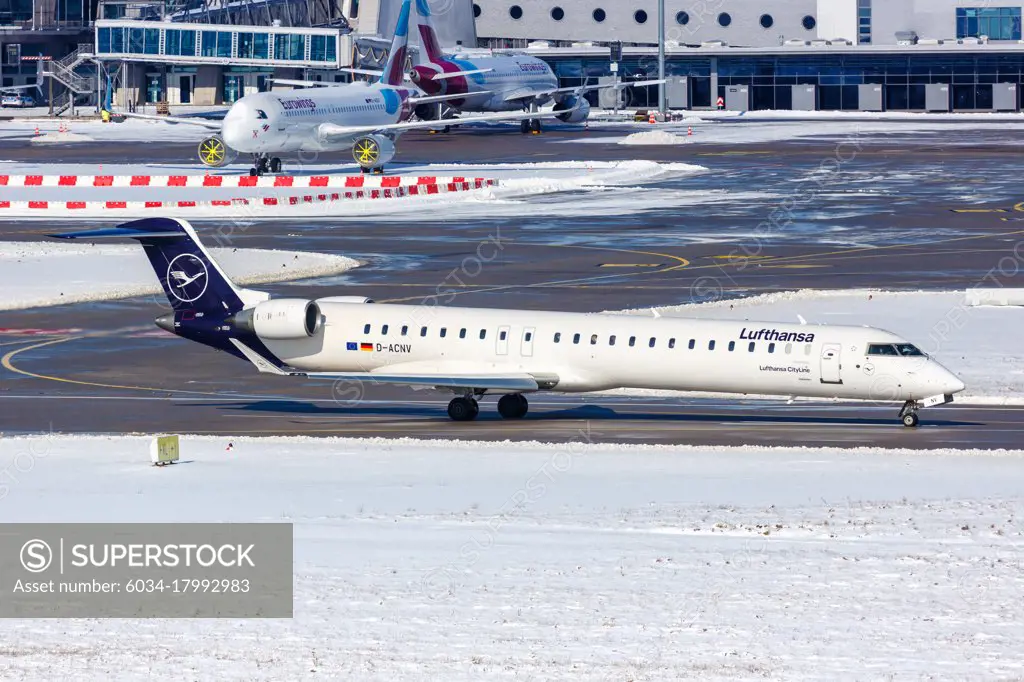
581	412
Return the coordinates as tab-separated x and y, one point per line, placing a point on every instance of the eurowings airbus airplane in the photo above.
477	352
492	84
364	117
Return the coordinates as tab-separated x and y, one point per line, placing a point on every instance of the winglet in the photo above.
262	364
801	318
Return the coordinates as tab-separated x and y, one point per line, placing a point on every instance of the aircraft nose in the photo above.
947	382
233	131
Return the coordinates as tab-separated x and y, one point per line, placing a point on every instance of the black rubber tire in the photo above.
463	409
513	406
524	127
910	420
275	165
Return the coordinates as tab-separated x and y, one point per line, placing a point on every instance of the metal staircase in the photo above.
66	72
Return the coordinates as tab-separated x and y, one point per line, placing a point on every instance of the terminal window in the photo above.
998	23
864	22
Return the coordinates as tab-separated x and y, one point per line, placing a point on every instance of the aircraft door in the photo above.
527	346
830	363
502	342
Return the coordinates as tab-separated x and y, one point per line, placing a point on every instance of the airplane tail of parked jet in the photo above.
428	36
394	69
192	280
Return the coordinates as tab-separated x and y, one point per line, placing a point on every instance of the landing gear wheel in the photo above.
535	126
275	165
513	406
447	129
379	170
910	420
463	409
253	172
524	127
260	167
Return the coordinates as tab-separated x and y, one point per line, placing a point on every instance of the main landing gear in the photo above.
908	415
263	164
466	408
530	125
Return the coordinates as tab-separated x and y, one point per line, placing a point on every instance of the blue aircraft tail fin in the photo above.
191	278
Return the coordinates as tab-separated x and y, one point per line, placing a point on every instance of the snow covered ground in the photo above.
547	189
53	273
469	561
980	344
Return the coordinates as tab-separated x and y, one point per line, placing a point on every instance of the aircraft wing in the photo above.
331	130
202	122
512	381
524	94
442	98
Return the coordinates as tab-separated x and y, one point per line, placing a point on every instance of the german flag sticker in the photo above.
366	346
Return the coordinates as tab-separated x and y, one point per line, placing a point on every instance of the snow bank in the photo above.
654	137
60	138
42	273
489	561
980	344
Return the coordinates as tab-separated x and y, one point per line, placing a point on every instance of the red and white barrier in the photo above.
256	202
238	181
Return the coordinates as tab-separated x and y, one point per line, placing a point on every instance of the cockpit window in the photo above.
908	349
260	114
882	349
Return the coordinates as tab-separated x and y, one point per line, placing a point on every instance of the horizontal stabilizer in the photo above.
456	74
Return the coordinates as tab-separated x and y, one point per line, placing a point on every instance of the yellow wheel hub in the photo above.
366	152
212	152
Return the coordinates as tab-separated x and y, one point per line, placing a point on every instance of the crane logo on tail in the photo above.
187	278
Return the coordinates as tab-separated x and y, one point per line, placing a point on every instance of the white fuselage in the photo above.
508	76
589	352
276	123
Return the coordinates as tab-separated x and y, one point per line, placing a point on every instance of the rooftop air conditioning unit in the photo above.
841	41
538	45
906	37
796	41
967	41
714	43
583	44
929	41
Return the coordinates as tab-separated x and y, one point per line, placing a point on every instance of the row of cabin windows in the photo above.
528	336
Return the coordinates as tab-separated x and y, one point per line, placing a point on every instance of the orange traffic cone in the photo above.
37	130
651	119
689	131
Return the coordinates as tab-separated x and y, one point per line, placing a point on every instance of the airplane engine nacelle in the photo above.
213	152
373	151
423	78
281	319
428	112
578	114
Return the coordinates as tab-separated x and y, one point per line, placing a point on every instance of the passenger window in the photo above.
652	342
632	341
423	331
750	347
671	343
771	347
405	330
462	333
558	337
711	345
611	340
366	329
732	346
575	338
593	339
789	348
807	349
483	334
528	337
882	349
693	343
384	330
503	335
444	332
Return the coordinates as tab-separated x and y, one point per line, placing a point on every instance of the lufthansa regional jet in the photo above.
479	352
362	116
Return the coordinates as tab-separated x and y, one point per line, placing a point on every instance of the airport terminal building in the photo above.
870	55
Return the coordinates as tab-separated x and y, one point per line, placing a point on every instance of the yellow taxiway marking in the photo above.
980	210
794	267
629	265
7	364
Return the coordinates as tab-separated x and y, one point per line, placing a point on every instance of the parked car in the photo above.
17	100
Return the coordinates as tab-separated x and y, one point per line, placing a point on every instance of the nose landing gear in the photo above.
263	164
908	415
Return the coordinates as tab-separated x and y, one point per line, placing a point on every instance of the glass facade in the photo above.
864	22
971	78
250	45
998	23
